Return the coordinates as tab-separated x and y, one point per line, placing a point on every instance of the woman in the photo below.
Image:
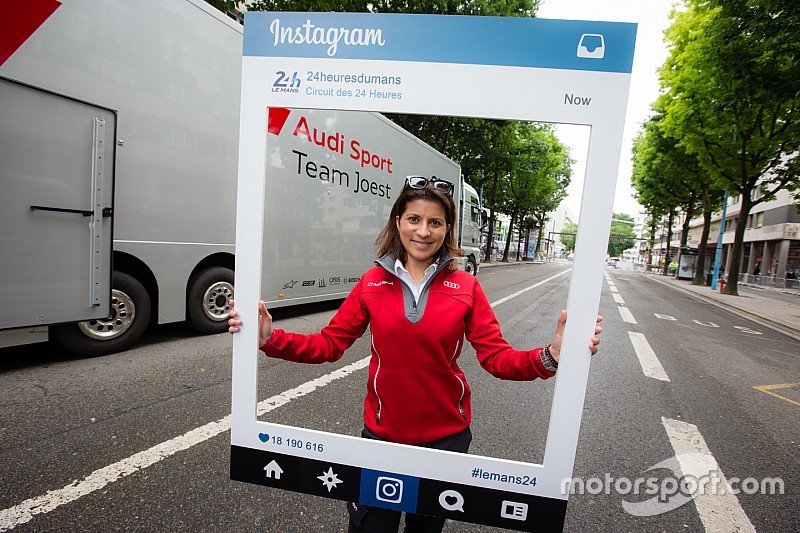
416	392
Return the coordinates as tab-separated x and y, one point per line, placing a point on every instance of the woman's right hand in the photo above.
264	322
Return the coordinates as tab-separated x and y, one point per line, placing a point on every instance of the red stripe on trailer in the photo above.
18	21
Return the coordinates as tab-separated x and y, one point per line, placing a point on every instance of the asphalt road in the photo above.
72	430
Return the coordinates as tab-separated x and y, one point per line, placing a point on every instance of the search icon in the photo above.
451	500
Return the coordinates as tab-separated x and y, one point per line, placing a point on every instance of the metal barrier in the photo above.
768	282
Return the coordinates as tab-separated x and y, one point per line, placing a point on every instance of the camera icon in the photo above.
389	490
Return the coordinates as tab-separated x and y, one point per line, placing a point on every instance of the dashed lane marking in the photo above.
718	511
651	366
626	315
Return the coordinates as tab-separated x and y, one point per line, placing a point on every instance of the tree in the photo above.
732	97
622	235
665	174
568	234
539	170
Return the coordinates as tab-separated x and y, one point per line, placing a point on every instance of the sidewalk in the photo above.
773	310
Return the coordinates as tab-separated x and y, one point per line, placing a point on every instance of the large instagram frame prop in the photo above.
557	71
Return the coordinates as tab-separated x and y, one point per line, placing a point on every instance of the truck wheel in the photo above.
130	315
209	301
471	267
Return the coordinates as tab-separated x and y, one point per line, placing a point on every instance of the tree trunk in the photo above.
686	222
669	240
539	238
508	238
700	265
652	243
489	238
732	286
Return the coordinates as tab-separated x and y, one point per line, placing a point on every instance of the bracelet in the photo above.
550	358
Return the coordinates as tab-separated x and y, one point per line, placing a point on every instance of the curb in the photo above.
785	329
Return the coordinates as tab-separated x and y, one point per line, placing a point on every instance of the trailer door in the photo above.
56	191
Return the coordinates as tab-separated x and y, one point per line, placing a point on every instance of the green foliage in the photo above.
518	8
568	235
622	235
731	96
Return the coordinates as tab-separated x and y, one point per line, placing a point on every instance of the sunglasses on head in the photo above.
420	182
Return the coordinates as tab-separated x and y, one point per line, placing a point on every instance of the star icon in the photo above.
329	479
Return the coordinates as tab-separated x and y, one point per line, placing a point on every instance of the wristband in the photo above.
550	357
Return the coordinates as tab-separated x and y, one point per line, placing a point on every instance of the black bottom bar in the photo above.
430	497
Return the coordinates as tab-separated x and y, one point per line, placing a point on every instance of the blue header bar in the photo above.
503	41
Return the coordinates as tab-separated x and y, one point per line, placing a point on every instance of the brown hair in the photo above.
388	240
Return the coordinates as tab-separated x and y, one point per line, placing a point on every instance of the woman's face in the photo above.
422	228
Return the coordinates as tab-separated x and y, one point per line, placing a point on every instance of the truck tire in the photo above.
130	315
471	267
209	301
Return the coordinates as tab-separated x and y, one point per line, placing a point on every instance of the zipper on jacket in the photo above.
463	388
375	382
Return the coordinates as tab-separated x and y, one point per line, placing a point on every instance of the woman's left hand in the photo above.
555	347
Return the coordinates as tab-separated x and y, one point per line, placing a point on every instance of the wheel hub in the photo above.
217	301
123	313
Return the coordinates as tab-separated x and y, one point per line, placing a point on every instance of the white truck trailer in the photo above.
118	156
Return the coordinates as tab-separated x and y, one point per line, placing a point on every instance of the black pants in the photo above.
366	519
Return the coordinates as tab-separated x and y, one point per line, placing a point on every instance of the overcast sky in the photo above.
653	18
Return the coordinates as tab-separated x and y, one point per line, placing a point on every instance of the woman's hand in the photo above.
264	322
555	347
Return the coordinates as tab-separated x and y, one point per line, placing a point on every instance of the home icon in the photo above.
273	470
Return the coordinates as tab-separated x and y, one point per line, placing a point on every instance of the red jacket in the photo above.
416	392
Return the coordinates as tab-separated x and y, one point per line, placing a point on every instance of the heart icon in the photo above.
263	437
451	500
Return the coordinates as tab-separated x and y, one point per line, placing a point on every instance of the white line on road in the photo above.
526	289
618	298
26	510
720	512
627	316
651	366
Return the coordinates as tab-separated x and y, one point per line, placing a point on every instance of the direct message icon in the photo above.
592	46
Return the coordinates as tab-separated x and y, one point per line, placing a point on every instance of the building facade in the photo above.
771	240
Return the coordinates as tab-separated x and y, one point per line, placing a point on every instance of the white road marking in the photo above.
718	512
26	510
651	366
618	298
627	316
526	289
613	288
